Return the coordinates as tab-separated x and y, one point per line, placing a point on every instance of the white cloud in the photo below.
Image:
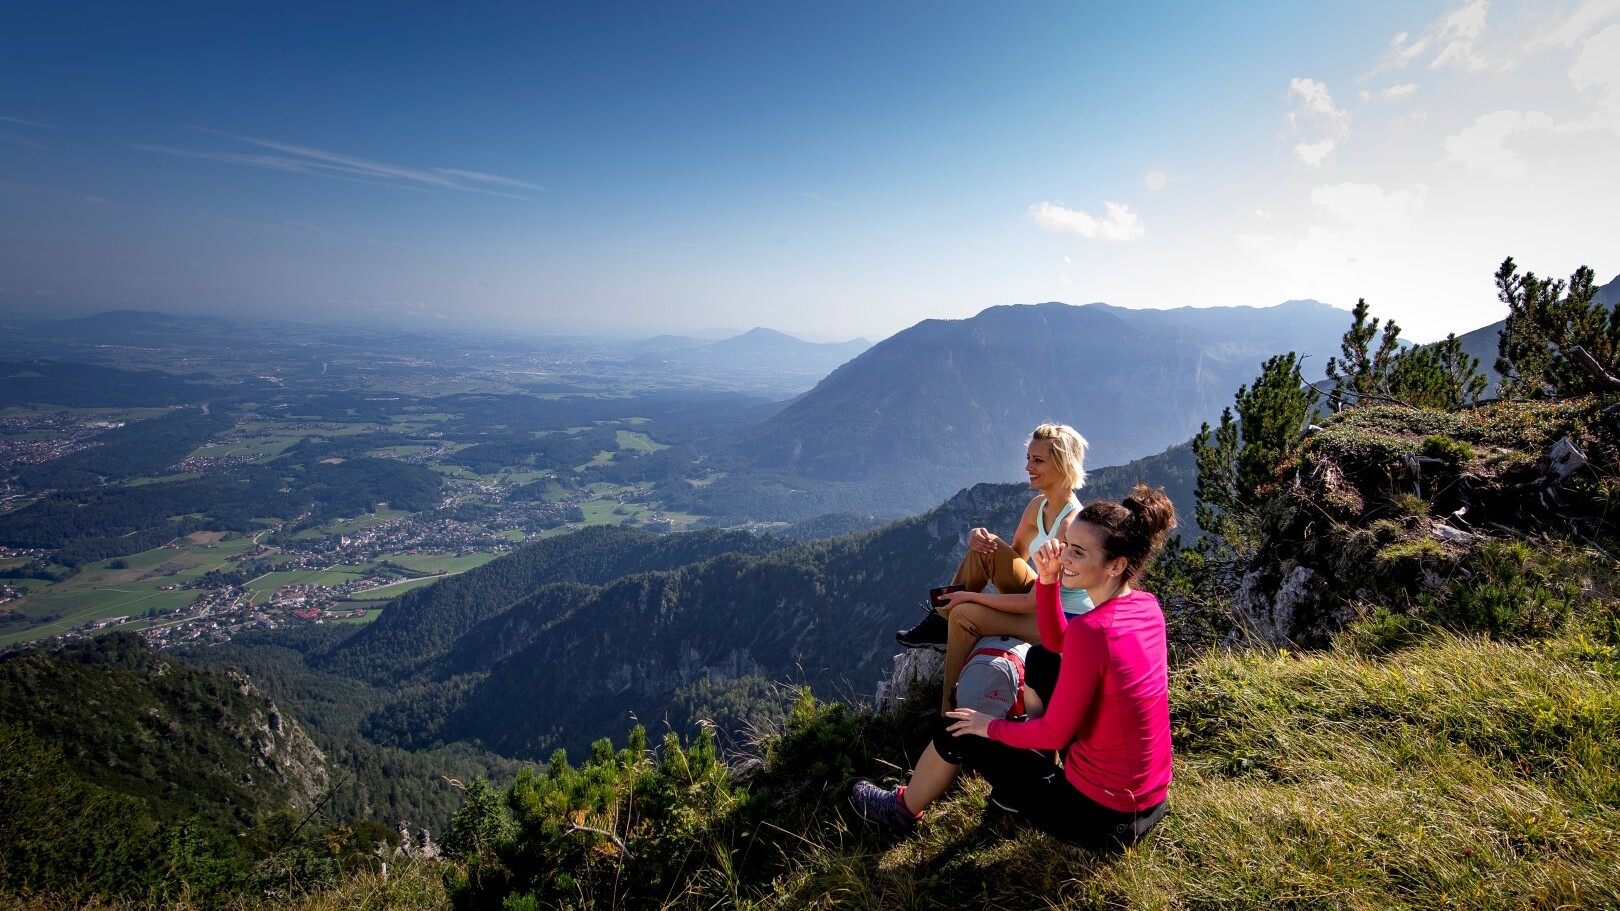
1119	223
1453	40
1328	120
1370	207
481	177
1482	148
1579	24
1314	153
1597	68
1458	33
1155	180
1314	97
1486	146
1390	93
1402	53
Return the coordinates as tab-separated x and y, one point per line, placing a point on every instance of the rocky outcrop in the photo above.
1388	508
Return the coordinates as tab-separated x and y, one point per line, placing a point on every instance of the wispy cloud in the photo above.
29	123
1457	36
1317	112
26	142
1583	22
807	194
1454	40
481	177
300	159
1118	223
1390	93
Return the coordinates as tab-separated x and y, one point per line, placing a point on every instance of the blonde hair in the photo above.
1068	452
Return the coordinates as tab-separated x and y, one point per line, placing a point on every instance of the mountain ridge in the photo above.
947	403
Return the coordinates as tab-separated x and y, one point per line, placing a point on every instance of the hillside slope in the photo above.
189	742
697	638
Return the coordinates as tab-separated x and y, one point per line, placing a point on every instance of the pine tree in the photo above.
1362	372
1441	375
1546	320
1238	461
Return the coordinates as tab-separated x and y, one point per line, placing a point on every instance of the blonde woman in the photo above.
1055	463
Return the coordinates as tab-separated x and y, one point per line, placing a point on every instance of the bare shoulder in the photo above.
1032	509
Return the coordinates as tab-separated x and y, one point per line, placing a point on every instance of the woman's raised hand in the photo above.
982	540
1046	560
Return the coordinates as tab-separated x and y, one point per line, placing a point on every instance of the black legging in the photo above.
1031	783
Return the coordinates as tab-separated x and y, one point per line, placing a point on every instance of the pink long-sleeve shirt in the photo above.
1111	707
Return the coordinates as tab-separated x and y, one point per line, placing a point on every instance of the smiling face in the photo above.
1043	473
1084	565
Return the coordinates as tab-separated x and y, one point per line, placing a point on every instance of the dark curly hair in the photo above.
1134	528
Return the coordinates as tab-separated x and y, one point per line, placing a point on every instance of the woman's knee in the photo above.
968	618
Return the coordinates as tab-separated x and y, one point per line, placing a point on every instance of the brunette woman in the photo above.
1110	710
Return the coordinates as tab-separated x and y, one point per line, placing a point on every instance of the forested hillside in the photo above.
188	742
424	624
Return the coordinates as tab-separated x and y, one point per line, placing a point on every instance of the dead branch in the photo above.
1590	364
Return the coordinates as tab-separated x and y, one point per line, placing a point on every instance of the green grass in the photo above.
358	523
606	511
99	591
428	563
1458	772
392	590
1461	772
252	447
371	614
640	442
397	452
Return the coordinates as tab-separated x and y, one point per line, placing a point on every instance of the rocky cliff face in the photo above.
279	746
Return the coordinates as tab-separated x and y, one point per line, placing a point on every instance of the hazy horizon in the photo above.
833	171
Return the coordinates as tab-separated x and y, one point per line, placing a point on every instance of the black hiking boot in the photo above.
931	632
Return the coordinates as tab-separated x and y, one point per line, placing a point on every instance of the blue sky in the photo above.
827	169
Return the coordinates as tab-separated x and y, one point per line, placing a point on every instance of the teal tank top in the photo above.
1075	600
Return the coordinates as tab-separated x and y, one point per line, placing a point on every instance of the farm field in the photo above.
126	586
432	563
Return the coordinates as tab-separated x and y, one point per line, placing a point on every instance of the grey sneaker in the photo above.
881	807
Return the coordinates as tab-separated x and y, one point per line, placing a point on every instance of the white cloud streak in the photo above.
1118	223
29	123
1581	23
300	159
